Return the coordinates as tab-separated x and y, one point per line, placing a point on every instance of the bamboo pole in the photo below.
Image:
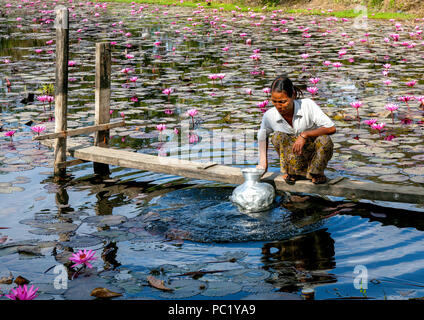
61	86
102	101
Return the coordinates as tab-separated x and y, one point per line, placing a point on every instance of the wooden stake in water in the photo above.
102	101
61	86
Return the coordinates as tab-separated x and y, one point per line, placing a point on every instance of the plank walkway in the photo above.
350	189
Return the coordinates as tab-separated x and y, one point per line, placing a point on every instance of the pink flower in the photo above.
122	115
167	91
255	57
337	64
22	293
71	63
387	66
157	43
312	90
83	257
387	82
249	41
133	79
126	70
226	49
391	107
406	98
249	91
304	55
169	111
38	50
9	133
314	80
370	122
411	83
263	104
129	56
378	126
161	127
266	90
134	99
38	129
193	138
356	104
192	112
326	63
176	131
389	137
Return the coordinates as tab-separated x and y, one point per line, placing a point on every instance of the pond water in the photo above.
143	223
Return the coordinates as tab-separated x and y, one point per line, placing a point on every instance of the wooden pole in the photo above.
102	101
61	86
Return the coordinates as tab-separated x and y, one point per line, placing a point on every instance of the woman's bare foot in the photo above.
318	178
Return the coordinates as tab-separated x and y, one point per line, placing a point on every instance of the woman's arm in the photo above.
301	139
263	154
319	132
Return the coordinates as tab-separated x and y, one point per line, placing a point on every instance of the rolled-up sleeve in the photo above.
265	130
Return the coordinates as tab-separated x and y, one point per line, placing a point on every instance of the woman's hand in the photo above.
262	167
298	145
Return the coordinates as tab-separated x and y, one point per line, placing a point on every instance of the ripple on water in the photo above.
207	215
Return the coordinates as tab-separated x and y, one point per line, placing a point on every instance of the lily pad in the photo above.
221	288
114	235
393	178
101	221
419	170
183	288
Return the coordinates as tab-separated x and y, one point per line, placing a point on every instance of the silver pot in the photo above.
252	195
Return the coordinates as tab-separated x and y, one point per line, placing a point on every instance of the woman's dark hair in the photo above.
283	83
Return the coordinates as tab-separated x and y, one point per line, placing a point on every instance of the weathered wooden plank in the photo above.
346	188
78	131
102	100
70	163
61	85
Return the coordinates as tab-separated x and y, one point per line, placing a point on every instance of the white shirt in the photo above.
307	115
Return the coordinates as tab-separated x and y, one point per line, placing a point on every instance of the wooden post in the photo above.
61	86
102	101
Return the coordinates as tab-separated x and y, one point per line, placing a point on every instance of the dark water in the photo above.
142	223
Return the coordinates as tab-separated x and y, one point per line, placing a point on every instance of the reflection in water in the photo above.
297	260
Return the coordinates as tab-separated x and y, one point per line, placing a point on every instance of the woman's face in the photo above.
282	102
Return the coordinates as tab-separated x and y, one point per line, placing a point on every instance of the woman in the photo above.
301	134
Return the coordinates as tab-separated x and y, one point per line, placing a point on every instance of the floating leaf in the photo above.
157	283
20	281
104	293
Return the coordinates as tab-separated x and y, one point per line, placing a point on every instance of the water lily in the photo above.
312	90
161	127
83	258
379	127
22	293
9	134
38	129
356	105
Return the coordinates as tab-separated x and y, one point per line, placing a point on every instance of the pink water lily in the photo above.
312	90
392	107
356	105
9	134
161	127
314	80
379	127
83	258
22	293
38	129
411	83
71	63
370	122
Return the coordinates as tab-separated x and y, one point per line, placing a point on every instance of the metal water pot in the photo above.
253	195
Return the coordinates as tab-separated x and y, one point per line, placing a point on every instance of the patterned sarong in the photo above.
316	153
